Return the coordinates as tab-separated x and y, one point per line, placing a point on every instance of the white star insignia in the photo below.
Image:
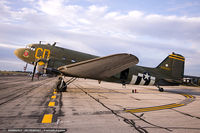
146	76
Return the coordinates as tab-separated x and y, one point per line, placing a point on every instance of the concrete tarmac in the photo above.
89	107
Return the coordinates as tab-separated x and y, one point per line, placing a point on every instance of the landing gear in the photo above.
61	85
159	88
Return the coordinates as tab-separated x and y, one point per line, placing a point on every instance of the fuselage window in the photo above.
73	61
64	58
32	48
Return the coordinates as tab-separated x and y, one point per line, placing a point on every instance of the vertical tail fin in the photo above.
173	66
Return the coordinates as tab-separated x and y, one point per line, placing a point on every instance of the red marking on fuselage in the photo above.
25	53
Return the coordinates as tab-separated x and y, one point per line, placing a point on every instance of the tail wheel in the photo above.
161	89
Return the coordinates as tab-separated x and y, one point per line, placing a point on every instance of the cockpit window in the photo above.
30	47
33	48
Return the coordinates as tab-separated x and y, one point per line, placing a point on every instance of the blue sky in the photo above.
149	29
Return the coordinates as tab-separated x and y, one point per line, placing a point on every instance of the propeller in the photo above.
25	67
35	65
46	69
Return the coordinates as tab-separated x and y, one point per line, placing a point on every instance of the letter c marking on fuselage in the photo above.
42	53
36	53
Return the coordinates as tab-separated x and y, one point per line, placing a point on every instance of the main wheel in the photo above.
61	86
64	87
58	84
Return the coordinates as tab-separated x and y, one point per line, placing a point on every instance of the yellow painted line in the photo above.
51	104
47	118
191	96
53	97
176	58
154	108
185	95
169	106
54	92
188	96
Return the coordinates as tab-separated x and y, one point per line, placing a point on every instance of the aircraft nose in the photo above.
16	52
19	52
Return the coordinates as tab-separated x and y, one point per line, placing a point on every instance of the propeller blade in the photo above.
25	67
34	69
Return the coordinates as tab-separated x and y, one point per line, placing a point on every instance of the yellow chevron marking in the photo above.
154	108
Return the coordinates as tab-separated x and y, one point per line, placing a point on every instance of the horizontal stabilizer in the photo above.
100	68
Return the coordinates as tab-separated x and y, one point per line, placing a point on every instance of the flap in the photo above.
100	68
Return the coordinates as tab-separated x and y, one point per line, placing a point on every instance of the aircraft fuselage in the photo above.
138	75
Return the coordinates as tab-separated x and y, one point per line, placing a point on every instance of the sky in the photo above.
149	29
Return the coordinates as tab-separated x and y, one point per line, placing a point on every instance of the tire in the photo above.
64	89
58	85
161	89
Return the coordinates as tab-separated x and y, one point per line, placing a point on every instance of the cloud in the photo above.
51	7
99	30
183	6
28	0
4	11
10	46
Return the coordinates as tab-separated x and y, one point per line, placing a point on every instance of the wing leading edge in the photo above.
100	68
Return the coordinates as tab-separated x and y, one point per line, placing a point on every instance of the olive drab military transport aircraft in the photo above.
119	68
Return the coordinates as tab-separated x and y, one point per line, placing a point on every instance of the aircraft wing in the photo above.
100	68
